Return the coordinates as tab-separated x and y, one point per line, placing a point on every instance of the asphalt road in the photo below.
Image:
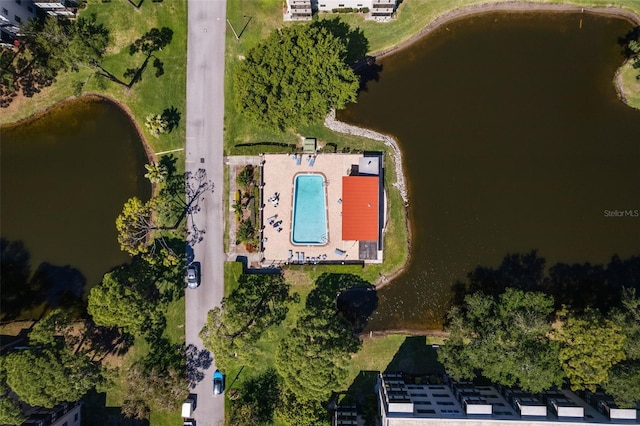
204	121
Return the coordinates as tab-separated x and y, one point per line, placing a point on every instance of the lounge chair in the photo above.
290	255
296	257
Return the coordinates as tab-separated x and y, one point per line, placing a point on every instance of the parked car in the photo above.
193	275
187	408
218	383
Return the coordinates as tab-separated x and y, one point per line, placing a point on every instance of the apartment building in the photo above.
14	13
463	403
302	10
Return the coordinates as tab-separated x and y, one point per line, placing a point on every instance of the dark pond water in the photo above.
65	177
513	140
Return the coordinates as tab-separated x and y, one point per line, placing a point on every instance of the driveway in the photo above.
204	121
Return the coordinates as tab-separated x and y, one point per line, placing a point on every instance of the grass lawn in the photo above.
413	15
107	405
151	94
631	84
267	345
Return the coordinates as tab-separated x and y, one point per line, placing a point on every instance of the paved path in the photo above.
204	118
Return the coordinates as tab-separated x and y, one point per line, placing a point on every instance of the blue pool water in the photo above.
309	210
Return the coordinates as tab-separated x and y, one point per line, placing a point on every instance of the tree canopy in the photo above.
313	358
591	346
50	45
46	377
295	77
258	302
117	303
506	339
148	228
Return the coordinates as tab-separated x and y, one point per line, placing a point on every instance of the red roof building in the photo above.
360	208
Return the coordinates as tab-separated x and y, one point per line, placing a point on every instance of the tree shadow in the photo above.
169	162
367	70
329	286
172	116
61	286
578	286
18	292
581	286
356	43
357	304
632	35
96	412
197	362
415	358
263	392
104	341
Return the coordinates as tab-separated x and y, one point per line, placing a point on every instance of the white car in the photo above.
193	276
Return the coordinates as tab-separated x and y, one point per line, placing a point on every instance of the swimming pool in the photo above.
309	210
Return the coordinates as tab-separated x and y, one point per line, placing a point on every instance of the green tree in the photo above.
48	46
295	77
10	411
313	359
262	393
295	411
46	377
242	414
162	388
245	177
120	304
156	124
628	319
634	47
147	228
622	383
56	323
134	225
505	339
246	232
156	172
591	345
258	302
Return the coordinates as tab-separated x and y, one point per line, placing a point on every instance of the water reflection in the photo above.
513	140
65	177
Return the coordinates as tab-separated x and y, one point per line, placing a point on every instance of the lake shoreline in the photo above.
150	153
460	13
515	7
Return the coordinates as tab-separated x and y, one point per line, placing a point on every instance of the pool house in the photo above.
321	208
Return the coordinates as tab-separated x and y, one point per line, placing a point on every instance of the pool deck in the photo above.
279	171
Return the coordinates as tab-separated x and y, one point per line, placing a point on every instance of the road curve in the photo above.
204	149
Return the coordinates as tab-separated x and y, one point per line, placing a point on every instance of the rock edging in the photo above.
334	124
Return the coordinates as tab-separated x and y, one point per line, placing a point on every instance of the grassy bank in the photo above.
629	84
150	95
413	15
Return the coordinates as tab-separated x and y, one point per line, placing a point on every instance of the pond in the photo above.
65	176
513	140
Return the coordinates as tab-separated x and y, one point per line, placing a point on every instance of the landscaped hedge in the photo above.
350	10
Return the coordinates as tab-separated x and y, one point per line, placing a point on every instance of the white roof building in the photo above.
466	404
